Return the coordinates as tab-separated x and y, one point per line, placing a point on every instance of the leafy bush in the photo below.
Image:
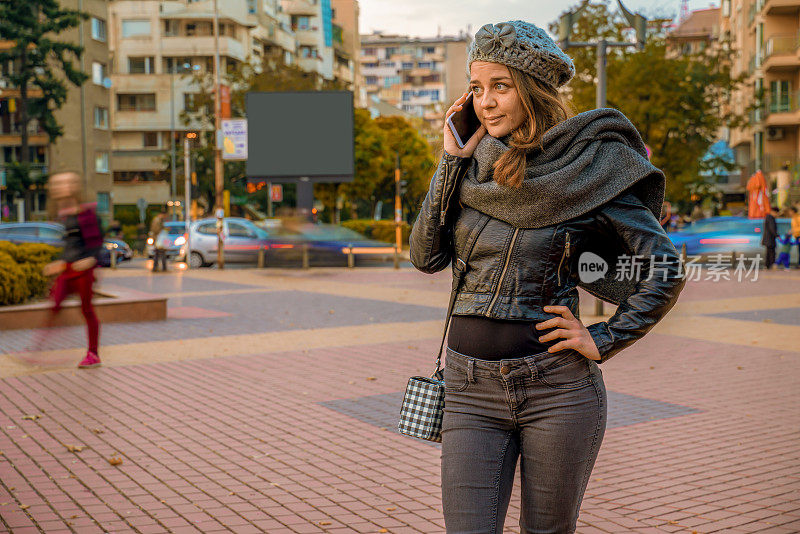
13	282
382	230
21	267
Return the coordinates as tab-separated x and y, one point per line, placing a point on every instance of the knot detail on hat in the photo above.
491	36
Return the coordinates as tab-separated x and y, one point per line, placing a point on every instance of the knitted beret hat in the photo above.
524	46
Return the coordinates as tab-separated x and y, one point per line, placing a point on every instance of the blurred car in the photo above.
173	235
120	247
242	240
32	232
726	235
325	244
52	234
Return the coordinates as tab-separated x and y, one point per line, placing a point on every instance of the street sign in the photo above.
234	139
276	193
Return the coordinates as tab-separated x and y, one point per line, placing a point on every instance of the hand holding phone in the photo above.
462	129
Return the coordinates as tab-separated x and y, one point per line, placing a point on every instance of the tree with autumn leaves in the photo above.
676	103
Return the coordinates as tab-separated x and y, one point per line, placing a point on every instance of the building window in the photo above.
300	23
170	28
371	80
780	96
136	102
425	64
141	65
101	117
135	28
98	29
150	139
408	65
99	73
190	102
101	162
103	202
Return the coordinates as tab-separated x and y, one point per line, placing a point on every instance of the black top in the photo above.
770	231
495	339
74	245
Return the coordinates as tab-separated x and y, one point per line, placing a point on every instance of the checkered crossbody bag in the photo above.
423	404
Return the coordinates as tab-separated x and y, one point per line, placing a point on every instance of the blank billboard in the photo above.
297	134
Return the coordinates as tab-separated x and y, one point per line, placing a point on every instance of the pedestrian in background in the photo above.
697	213
156	228
512	211
794	213
769	234
785	251
666	216
74	270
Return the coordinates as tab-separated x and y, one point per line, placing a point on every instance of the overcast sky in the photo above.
424	17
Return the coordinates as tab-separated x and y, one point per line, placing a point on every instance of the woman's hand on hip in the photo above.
450	145
577	337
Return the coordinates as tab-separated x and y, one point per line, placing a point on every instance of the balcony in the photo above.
780	52
301	7
309	37
780	7
204	46
782	109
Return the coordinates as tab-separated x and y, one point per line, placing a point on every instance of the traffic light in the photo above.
403	187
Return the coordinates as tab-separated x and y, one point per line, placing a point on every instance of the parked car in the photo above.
50	233
174	235
726	235
325	244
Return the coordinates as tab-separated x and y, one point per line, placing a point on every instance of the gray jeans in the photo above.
547	408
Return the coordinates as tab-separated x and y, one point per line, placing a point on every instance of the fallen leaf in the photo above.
75	448
383	530
371	378
739	367
115	460
391	509
74	516
33	417
331	311
322	523
97	431
24	506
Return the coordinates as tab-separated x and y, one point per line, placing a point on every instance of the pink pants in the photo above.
79	282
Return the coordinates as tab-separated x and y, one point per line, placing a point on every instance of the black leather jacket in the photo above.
511	273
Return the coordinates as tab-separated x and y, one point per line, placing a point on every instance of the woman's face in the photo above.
63	185
495	98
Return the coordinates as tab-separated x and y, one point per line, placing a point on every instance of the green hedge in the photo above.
382	230
21	267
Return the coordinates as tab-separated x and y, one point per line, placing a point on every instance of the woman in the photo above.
534	196
75	269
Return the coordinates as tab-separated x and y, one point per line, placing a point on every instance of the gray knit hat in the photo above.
524	46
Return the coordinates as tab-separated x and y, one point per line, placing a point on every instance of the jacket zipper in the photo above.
564	255
443	211
503	272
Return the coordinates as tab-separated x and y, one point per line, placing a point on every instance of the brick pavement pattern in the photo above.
703	435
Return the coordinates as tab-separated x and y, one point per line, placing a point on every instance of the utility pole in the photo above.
218	168
638	22
398	213
187	188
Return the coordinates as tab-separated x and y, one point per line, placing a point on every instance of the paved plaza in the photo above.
268	402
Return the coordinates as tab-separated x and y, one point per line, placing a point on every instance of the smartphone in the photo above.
464	123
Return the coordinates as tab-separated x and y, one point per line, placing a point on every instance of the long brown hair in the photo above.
544	108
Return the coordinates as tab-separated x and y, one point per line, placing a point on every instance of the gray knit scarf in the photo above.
584	162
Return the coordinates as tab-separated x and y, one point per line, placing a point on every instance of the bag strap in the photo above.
460	267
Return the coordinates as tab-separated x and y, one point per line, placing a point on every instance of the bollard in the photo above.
351	259
113	258
396	257
305	255
261	257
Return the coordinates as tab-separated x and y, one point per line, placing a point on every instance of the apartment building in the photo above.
763	34
421	76
85	146
347	48
700	31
